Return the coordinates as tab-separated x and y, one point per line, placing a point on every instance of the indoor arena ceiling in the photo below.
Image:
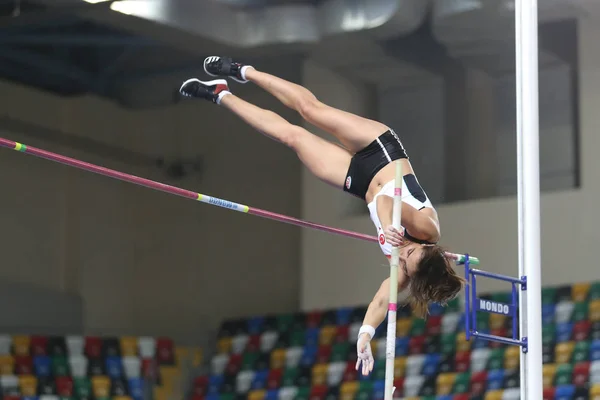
74	47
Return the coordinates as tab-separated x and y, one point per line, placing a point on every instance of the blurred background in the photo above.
112	290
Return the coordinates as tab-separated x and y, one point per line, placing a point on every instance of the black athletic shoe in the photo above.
225	67
204	90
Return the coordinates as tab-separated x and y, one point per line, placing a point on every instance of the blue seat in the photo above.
435	309
431	364
495	379
309	355
214	396
402	346
312	337
548	311
378	389
479	344
214	384
272	394
114	367
260	380
564	332
444	397
342	315
595	350
564	392
255	325
136	388
42	365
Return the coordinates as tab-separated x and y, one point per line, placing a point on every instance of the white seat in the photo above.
414	364
132	366
479	359
412	385
595	367
218	364
48	397
9	383
335	373
78	364
293	356
147	347
75	344
5	344
511	394
353	330
239	343
563	311
243	381
268	340
380	348
288	393
450	322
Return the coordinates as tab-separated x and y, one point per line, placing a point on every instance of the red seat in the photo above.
149	369
274	379
581	330
350	374
23	365
323	354
434	325
165	351
341	335
318	392
64	386
200	386
416	344
498	332
549	393
11	397
39	346
462	396
197	397
462	361
93	347
478	383
234	364
313	319
253	344
399	385
581	373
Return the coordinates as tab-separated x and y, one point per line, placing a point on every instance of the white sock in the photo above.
243	71
221	95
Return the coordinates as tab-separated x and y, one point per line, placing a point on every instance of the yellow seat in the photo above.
403	327
327	334
182	356
412	398
399	367
160	393
563	351
278	358
129	346
494	395
257	395
462	344
121	398
224	345
595	392
21	345
28	385
196	356
594	309
349	388
374	346
101	386
497	321
7	365
445	383
548	372
579	292
319	374
512	357
170	376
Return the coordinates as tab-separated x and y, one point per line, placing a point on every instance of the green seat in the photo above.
303	393
581	351
339	352
453	306
462	382
580	312
448	343
298	338
428	398
564	375
67	398
379	370
60	366
418	327
548	334
284	322
483	322
227	396
548	296
594	291
496	360
502	297
82	387
365	390
249	360
289	376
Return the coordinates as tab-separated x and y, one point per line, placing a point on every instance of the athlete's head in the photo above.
432	276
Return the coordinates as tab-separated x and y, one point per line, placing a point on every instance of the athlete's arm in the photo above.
417	224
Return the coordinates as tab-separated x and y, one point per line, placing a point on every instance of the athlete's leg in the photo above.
327	161
353	131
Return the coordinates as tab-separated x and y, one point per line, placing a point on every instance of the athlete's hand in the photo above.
394	236
365	356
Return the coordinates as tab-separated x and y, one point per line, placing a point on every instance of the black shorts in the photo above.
369	161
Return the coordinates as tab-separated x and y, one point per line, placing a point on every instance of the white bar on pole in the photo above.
529	186
390	350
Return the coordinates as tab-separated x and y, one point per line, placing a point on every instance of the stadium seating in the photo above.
81	368
312	356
